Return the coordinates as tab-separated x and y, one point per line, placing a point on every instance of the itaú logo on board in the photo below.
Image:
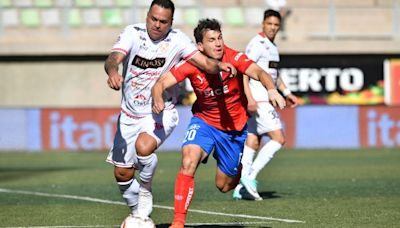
72	130
383	127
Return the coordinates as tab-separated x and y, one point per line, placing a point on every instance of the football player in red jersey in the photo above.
219	114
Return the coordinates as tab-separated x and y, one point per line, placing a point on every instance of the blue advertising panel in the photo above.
19	129
327	127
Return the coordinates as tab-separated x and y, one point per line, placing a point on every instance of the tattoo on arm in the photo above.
112	63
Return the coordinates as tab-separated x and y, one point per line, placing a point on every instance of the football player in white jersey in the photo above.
264	119
147	51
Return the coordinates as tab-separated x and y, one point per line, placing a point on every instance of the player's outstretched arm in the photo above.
115	79
159	87
257	73
211	66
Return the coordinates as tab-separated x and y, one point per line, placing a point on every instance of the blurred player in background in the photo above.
219	117
264	119
146	51
281	7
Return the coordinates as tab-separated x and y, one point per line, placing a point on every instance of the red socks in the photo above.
184	191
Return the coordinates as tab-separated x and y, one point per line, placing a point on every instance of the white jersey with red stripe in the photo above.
262	51
146	61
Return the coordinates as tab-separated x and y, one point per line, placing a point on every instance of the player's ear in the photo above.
200	46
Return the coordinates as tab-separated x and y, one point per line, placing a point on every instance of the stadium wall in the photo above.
73	129
80	81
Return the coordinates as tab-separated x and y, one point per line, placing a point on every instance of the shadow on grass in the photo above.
269	195
265	195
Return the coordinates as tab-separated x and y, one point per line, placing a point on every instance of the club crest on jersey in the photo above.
147	63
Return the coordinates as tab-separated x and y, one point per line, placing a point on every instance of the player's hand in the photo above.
292	100
158	105
276	99
227	67
251	105
114	81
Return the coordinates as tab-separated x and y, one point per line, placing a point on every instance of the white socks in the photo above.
130	192
264	156
147	168
247	160
133	192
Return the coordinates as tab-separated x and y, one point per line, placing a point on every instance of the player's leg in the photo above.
267	120
196	147
128	186
267	152
228	153
155	130
249	151
225	183
123	156
184	185
147	159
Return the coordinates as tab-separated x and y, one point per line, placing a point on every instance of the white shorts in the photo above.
266	119
123	152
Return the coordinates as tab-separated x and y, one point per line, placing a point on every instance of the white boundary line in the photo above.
103	226
91	199
94	226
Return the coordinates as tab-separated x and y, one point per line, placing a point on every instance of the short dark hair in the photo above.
272	13
205	25
167	4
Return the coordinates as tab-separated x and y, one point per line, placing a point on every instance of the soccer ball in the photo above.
135	221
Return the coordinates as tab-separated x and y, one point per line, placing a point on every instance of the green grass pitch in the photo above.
301	188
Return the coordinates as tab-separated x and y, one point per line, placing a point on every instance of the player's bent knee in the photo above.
278	137
225	187
281	141
123	174
252	142
145	145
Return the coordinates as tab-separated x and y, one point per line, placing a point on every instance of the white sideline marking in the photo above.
224	223
188	224
99	226
91	199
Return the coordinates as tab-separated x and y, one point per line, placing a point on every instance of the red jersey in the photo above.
221	101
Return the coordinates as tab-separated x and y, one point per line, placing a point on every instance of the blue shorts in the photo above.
227	145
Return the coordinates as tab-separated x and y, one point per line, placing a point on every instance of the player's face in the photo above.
158	22
271	27
212	44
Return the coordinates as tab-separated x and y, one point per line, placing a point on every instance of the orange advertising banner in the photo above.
395	81
94	129
379	126
78	129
